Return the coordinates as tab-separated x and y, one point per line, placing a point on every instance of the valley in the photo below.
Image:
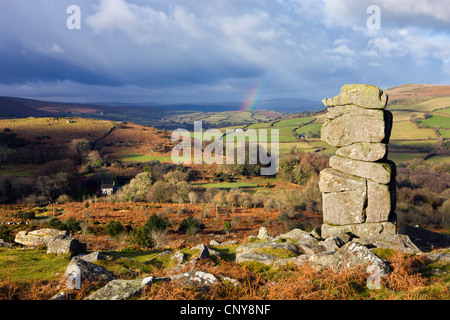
54	165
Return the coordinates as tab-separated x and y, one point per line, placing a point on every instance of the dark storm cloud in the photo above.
214	50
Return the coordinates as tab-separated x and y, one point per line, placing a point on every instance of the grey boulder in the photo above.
121	289
63	244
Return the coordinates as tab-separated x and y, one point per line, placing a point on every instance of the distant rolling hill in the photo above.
11	108
418	96
406	100
21	107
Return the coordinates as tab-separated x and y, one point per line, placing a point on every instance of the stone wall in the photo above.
358	189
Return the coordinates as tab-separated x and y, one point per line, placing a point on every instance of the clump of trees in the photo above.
152	233
58	174
300	167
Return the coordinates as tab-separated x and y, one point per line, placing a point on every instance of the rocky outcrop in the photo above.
354	254
358	189
81	271
265	252
5	244
337	252
63	244
126	289
397	242
121	289
38	238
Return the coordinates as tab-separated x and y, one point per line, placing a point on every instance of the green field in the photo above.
30	264
436	121
285	134
260	125
444	111
17	170
312	127
439	159
409	140
227	117
413	144
445	134
409	131
293	122
135	157
406	115
399	157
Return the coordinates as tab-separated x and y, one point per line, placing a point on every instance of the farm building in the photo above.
108	188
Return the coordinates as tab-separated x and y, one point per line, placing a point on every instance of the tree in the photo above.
191	226
175	177
79	150
72	225
227	227
6	234
156	222
94	159
152	233
53	187
113	229
137	189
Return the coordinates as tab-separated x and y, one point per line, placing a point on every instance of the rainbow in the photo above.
253	97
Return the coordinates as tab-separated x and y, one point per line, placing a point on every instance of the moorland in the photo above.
54	161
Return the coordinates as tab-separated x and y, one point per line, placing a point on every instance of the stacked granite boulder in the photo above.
358	189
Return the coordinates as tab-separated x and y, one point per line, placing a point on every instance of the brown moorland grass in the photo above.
406	282
307	283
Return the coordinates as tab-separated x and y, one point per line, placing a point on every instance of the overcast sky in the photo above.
218	50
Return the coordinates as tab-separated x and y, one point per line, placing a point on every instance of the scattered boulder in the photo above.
121	289
295	261
300	237
354	254
5	244
39	237
92	257
205	252
201	278
321	260
332	243
398	242
229	243
433	257
263	234
86	272
264	258
252	246
62	244
265	252
215	243
178	257
60	296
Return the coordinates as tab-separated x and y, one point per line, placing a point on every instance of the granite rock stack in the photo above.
358	189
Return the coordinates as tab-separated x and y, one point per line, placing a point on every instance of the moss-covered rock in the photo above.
366	96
